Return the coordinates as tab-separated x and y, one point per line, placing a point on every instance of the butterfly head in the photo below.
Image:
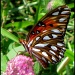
23	42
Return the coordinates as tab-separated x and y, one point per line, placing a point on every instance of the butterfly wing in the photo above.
57	18
46	39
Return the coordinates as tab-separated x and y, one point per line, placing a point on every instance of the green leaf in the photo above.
37	12
70	54
9	35
14	51
3	62
71	5
20	24
62	64
40	15
37	68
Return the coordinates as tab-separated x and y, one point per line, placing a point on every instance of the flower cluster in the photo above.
20	65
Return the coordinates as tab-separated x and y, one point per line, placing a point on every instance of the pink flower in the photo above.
49	6
54	3
20	65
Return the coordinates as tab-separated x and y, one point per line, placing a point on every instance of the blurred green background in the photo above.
18	17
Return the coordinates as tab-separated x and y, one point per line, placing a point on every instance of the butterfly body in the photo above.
46	39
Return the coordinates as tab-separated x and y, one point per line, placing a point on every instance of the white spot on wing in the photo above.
46	38
59	8
37	38
44	30
43	25
54	36
53	58
45	54
39	24
44	59
52	52
54	48
66	8
59	44
41	45
62	19
56	30
55	13
35	49
49	62
64	12
60	57
64	48
30	43
61	53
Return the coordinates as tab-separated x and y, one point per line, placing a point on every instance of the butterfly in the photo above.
46	39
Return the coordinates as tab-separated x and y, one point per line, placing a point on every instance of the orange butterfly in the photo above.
46	39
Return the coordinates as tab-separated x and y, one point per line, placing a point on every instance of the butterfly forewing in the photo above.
46	39
51	20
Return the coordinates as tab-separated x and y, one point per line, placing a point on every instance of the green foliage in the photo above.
4	32
4	60
17	19
37	68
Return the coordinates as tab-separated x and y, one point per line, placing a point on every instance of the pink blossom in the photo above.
49	6
20	65
54	3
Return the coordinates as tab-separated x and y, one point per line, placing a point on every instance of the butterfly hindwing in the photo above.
49	46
